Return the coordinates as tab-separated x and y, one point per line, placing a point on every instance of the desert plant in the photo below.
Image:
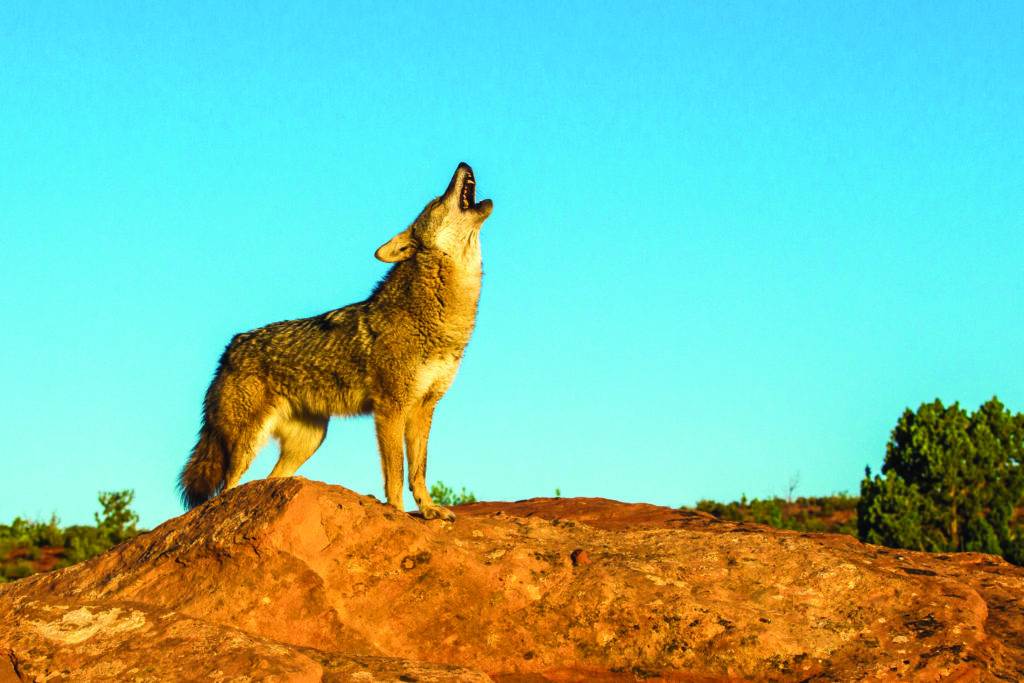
46	533
118	521
18	569
83	542
802	514
22	540
443	495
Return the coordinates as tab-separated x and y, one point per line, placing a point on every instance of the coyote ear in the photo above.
399	248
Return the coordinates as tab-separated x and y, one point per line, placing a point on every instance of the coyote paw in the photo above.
437	512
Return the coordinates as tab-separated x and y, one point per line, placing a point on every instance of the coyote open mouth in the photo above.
461	193
468	196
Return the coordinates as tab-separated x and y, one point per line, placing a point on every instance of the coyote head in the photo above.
449	225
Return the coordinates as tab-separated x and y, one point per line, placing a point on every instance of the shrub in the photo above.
443	495
18	569
803	514
25	539
118	521
83	542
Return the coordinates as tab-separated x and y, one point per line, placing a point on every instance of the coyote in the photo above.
393	355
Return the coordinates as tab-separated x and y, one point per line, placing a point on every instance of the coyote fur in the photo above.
393	356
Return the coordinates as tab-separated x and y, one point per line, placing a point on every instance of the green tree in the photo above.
998	438
118	522
950	481
889	513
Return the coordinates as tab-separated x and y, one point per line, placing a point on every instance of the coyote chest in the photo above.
435	376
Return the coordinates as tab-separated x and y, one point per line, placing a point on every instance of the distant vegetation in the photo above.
443	495
835	514
951	481
27	547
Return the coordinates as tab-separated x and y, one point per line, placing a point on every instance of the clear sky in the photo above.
731	241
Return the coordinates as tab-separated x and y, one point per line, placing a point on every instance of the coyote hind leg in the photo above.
240	456
246	416
299	436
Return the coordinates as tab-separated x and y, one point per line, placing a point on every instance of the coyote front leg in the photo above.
417	431
389	439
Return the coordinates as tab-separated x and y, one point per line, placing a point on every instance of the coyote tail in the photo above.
203	474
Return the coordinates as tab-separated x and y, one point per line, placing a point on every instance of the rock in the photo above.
579	557
295	580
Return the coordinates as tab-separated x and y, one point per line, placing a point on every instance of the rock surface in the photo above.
295	580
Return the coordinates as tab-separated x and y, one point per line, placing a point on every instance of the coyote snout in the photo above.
393	355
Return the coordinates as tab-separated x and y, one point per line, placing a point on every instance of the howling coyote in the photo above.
393	355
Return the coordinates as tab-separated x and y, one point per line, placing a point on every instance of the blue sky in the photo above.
731	241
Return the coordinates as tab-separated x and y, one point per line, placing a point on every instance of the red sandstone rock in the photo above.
290	579
579	557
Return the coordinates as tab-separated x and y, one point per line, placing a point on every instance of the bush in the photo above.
47	533
83	542
18	569
115	523
443	495
803	514
118	521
